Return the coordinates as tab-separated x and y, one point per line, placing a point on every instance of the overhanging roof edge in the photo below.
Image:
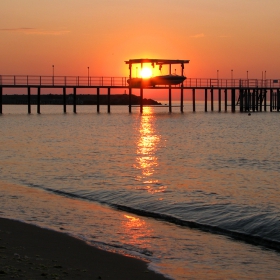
157	61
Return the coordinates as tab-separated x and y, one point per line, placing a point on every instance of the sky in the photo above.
223	38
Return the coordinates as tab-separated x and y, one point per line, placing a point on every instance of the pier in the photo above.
243	95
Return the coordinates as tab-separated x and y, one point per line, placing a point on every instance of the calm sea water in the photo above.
196	194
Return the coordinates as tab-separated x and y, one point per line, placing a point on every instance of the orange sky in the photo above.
239	35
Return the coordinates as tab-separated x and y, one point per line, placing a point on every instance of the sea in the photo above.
196	194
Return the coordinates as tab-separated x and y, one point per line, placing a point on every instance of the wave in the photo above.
236	235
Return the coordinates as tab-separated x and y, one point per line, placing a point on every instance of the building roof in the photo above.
156	61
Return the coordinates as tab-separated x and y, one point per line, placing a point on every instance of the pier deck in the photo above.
245	94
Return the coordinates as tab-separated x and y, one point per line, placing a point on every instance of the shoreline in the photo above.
31	252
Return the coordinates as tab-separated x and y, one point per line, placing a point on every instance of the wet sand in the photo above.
30	252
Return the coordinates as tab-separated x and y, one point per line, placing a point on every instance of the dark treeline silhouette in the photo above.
81	99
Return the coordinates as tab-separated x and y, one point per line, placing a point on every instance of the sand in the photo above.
30	252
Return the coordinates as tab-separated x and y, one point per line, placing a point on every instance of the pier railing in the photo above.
90	81
231	83
59	81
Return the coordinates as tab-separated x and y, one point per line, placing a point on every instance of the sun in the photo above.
146	72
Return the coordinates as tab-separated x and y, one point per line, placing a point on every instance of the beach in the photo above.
30	252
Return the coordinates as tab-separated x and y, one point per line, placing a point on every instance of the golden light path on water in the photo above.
147	146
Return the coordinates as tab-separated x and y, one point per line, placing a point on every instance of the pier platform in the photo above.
241	95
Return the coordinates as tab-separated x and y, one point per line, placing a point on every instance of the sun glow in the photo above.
146	72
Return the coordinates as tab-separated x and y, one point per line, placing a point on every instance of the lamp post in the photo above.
217	74
53	75
231	77
88	74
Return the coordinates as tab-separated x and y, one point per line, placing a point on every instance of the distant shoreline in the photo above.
81	99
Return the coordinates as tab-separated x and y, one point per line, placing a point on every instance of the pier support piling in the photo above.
109	101
205	100
141	100
265	96
254	100
220	100
278	100
1	100
64	100
193	98
261	99
170	99
249	100
246	93
212	99
38	100
28	100
241	99
233	100
97	100
182	98
271	99
129	99
225	100
74	100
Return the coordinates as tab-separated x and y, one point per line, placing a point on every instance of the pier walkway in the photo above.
243	94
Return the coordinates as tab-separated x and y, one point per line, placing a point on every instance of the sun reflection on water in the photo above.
136	232
147	147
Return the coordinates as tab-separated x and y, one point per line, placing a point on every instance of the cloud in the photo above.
16	29
35	31
200	35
